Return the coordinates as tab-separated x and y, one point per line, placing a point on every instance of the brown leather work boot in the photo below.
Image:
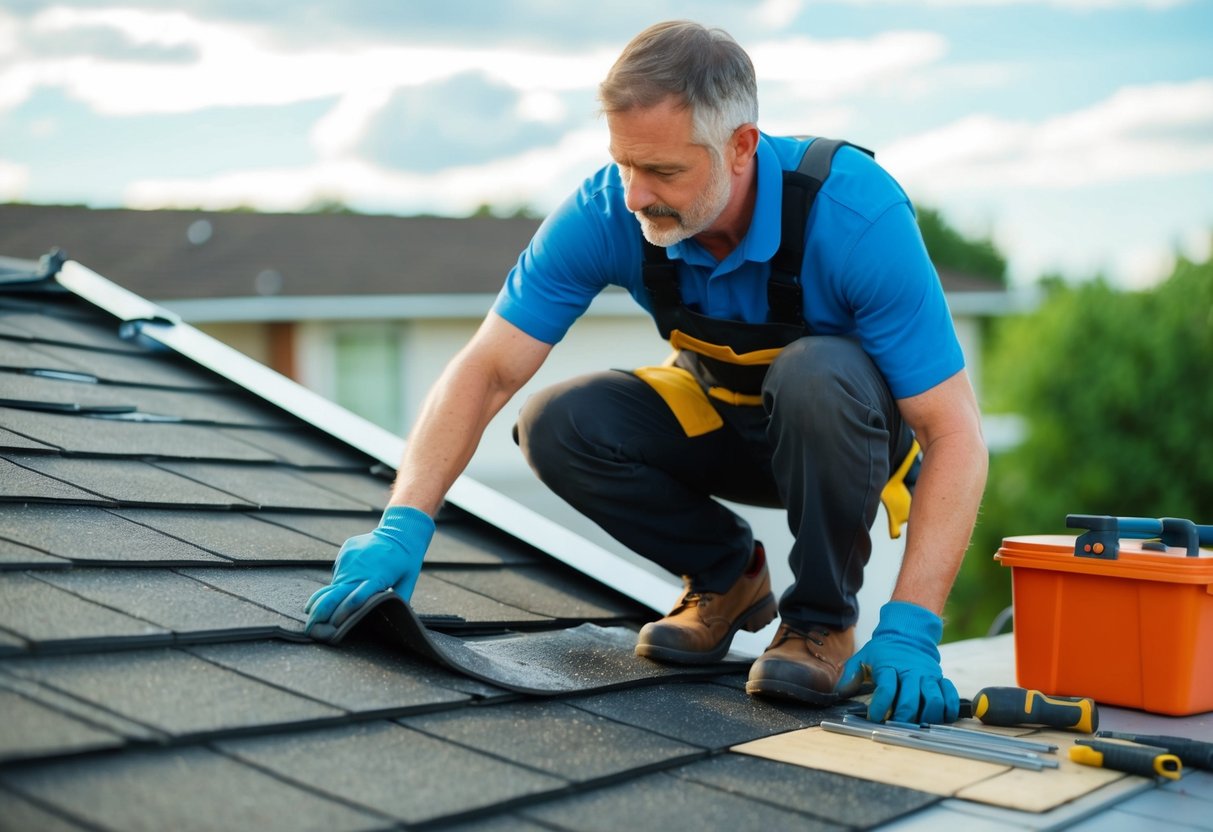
802	666
701	626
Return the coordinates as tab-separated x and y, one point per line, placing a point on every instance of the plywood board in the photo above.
941	774
858	757
1028	791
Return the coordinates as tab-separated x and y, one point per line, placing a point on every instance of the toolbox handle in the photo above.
1102	538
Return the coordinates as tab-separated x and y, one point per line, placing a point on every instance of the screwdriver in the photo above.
1192	753
1146	760
1020	706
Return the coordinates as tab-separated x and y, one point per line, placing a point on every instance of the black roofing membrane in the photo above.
542	663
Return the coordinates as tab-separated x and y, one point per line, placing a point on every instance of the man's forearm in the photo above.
943	512
472	389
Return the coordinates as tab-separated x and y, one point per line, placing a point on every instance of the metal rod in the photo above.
972	752
940	732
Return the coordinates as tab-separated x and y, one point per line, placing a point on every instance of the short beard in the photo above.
698	216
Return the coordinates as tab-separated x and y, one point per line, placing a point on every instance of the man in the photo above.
807	364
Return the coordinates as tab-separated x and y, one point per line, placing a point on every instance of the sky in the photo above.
1077	134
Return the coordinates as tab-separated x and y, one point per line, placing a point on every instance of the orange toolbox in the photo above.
1122	613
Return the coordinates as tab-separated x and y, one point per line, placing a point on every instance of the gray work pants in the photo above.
822	445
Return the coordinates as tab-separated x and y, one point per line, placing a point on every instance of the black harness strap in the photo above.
785	297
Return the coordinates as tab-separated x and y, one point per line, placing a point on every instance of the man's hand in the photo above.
388	557
902	660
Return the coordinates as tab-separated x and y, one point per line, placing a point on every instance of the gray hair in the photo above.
704	68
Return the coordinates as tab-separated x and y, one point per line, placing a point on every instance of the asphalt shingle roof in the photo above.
160	530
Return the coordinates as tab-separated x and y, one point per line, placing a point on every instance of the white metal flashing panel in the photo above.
148	320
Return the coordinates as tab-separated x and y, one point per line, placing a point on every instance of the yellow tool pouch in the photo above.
684	397
896	494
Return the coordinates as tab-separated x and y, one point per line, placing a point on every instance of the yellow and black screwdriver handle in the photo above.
1146	760
1020	706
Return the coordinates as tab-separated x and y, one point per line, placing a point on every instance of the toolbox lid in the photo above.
1137	559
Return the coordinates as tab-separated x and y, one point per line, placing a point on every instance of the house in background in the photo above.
367	310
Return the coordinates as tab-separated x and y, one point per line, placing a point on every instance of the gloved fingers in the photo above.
322	603
885	694
951	699
354	601
404	587
925	702
856	678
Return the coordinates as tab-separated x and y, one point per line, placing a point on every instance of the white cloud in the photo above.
539	177
775	14
830	69
1138	132
240	66
14	179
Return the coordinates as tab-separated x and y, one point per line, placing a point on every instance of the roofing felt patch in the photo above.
264	486
188	695
49	617
822	794
231	534
32	729
706	715
393	769
92	534
666	802
19	482
360	682
583	658
181	789
129	482
84	434
170	600
555	738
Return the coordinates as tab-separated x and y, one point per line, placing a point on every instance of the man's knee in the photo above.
817	371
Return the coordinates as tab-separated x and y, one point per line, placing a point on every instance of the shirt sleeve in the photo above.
564	267
901	314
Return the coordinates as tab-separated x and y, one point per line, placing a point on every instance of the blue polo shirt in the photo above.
866	272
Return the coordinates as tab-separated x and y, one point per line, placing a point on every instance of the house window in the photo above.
368	374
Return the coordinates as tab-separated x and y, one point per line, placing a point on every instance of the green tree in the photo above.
1116	389
949	249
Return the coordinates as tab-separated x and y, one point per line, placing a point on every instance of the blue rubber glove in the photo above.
388	557
902	660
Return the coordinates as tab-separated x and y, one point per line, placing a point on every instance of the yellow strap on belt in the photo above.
896	494
729	397
679	340
684	397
